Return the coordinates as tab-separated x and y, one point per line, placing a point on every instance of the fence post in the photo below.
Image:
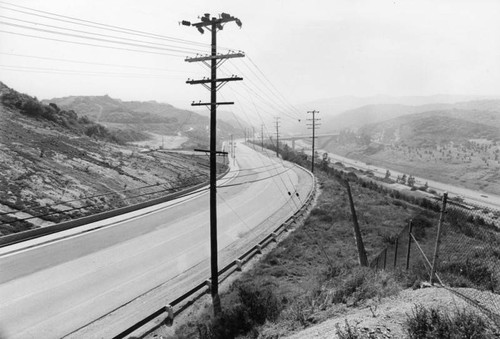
396	252
363	261
410	228
438	238
385	257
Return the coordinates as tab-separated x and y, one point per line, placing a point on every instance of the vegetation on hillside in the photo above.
69	119
313	274
137	119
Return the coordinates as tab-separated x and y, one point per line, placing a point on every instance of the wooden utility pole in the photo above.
213	84
313	126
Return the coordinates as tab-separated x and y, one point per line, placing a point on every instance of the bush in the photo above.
420	223
254	306
261	302
364	283
431	323
475	272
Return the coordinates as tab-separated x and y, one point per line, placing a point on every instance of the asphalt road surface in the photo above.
58	286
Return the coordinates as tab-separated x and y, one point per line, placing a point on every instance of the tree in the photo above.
411	181
325	161
387	174
403	179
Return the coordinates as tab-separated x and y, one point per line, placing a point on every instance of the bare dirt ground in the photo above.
46	169
385	318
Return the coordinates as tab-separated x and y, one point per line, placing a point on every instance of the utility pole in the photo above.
213	84
313	126
277	122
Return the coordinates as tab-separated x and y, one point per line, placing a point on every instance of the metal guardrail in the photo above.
235	264
64	226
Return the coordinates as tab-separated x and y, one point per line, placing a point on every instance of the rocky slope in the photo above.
57	166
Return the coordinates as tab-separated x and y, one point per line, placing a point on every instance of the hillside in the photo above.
459	145
372	114
436	128
152	121
57	166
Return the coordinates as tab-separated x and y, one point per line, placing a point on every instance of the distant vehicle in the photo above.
484	196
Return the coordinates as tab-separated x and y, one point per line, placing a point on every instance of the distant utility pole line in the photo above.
213	61
313	126
277	122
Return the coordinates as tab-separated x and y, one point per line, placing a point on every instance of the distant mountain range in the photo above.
146	117
423	124
369	114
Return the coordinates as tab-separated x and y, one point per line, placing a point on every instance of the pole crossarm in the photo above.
208	151
209	103
217	57
205	81
205	21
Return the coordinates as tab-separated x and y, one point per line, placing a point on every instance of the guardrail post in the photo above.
410	228
208	282
396	252
239	265
259	248
274	236
438	238
169	320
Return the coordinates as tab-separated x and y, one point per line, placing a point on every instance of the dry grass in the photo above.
313	273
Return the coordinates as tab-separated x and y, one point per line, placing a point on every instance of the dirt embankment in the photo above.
46	169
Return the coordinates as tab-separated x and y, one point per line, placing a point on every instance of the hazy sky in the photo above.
307	49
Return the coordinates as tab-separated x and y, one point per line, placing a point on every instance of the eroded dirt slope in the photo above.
43	164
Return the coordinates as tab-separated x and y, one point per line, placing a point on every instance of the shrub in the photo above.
364	283
349	332
261	302
471	273
430	323
420	223
254	306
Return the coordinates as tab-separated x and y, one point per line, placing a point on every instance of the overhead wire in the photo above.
92	63
98	25
98	39
89	33
89	44
73	72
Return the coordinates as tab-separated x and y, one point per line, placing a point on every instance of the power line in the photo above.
86	32
71	72
282	96
90	63
252	181
98	25
96	39
89	44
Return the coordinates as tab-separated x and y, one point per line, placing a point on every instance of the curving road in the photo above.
96	280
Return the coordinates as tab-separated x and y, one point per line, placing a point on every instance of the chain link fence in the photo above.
456	245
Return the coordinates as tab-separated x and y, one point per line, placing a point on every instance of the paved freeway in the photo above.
96	280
